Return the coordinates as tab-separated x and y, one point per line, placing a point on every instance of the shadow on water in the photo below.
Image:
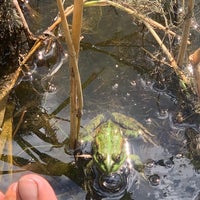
118	76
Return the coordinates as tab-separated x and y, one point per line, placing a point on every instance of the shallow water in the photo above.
120	72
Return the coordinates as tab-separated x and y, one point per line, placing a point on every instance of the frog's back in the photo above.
109	136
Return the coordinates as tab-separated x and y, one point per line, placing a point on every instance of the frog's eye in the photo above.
100	157
116	158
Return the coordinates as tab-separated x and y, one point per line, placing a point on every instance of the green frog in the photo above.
111	160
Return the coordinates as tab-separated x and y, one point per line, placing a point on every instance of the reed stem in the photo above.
76	96
186	32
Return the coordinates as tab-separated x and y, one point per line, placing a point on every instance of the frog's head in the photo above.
108	149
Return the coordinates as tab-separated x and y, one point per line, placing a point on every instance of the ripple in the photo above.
114	185
154	179
113	182
166	163
179	126
150	163
46	62
158	87
179	156
162	114
169	163
50	87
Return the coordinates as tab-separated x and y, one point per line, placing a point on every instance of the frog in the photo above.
111	159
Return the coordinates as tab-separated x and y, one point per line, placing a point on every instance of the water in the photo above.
120	73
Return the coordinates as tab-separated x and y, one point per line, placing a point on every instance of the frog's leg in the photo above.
138	165
88	130
88	177
133	127
137	162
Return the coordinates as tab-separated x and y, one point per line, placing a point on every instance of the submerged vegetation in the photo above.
168	25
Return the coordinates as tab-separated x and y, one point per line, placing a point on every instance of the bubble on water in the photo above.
28	75
150	163
166	163
148	83
179	155
40	55
162	114
163	59
113	182
179	39
169	163
49	59
154	179
148	121
159	87
180	10
189	69
195	26
115	86
51	87
133	83
112	186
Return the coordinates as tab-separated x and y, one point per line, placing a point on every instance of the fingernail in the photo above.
27	189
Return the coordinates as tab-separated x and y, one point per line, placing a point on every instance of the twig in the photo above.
149	23
68	11
195	61
185	35
155	58
168	54
10	83
132	12
15	2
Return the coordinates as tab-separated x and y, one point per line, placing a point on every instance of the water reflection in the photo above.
113	186
119	72
46	62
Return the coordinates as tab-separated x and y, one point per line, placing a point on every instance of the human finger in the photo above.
1	196
34	187
11	192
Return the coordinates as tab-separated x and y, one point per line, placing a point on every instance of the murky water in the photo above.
119	74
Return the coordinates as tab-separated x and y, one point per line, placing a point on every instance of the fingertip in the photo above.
1	196
41	189
27	189
11	192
